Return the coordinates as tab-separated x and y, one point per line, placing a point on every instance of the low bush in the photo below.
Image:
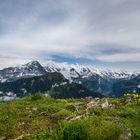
71	107
88	129
37	96
61	115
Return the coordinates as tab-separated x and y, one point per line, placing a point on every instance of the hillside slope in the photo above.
40	118
126	86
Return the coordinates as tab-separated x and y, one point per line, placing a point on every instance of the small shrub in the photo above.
61	115
40	136
53	108
76	130
87	129
136	134
71	108
128	113
37	96
63	101
98	111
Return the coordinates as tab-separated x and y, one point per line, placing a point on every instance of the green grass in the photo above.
39	118
94	128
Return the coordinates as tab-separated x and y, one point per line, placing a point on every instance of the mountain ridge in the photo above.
70	71
91	79
33	68
77	69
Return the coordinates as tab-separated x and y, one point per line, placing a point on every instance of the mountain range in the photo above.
72	78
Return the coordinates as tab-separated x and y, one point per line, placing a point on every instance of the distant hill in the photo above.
126	86
31	85
72	90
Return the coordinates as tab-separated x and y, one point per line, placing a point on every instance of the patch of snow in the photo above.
55	85
47	95
3	80
80	82
9	93
24	90
64	83
7	98
134	91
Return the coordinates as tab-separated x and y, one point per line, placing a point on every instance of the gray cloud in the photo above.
107	31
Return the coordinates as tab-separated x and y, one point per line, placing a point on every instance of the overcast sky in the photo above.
103	33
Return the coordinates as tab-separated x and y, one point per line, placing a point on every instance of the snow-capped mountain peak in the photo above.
97	80
69	71
75	70
30	69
